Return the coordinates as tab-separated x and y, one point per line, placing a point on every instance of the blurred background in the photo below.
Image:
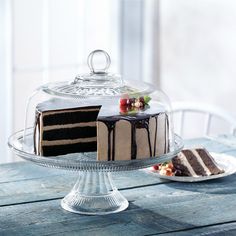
186	47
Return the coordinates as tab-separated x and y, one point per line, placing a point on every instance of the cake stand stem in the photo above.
94	194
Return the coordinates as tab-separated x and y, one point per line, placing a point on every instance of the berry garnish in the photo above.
165	168
169	172
170	165
138	104
156	167
141	99
131	101
133	104
123	102
124	109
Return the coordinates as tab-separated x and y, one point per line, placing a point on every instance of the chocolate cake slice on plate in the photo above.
195	162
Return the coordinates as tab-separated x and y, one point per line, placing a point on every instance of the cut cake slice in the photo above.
195	162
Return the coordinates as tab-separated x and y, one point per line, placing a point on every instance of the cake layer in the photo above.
70	133
56	150
209	162
70	117
192	159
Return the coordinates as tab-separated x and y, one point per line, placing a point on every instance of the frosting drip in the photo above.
137	122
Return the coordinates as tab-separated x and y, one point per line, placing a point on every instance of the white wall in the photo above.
198	51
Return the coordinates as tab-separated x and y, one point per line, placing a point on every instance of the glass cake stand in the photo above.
94	192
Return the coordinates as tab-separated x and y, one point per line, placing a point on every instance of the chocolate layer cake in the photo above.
195	162
65	127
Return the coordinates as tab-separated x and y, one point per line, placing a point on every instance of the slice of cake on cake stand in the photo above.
97	124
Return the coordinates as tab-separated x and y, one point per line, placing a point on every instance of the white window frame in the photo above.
141	19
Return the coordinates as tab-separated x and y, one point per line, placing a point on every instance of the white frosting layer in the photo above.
186	163
69	126
68	141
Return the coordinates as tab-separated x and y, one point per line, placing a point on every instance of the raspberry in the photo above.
156	167
123	101
124	109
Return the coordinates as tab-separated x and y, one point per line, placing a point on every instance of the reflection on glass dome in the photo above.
99	112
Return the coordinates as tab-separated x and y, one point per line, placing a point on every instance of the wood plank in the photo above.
228	229
153	209
57	186
18	171
35	189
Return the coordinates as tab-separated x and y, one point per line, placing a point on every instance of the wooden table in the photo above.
30	202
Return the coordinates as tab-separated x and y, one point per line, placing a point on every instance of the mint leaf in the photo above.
147	99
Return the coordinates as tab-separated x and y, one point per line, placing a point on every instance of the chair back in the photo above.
208	113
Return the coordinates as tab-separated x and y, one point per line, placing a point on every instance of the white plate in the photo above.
226	162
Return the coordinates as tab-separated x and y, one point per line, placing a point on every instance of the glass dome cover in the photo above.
115	99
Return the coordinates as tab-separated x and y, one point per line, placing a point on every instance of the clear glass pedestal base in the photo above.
94	194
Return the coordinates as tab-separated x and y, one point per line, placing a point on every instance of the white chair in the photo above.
208	114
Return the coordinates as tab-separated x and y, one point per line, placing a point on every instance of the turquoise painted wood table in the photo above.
30	202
